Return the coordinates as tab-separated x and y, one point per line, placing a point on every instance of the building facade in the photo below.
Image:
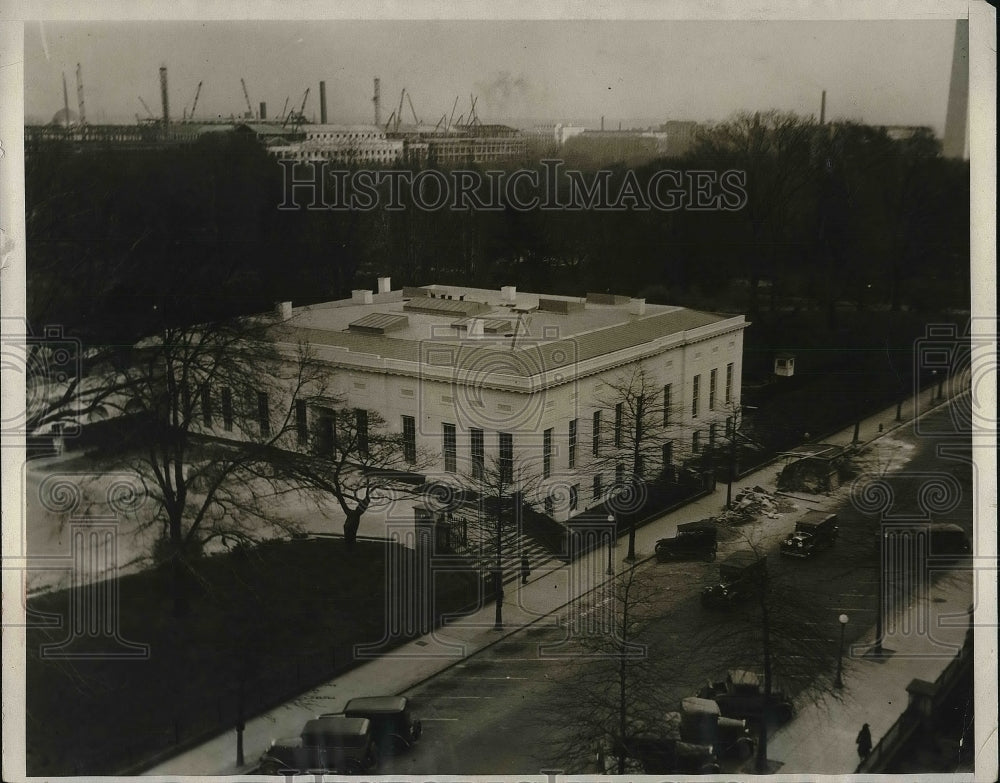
474	377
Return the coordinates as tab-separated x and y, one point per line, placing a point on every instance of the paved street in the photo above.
464	677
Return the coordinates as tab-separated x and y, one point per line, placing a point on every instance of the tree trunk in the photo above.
351	525
178	585
765	712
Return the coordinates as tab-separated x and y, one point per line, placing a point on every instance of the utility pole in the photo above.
79	94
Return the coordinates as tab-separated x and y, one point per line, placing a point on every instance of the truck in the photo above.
741	575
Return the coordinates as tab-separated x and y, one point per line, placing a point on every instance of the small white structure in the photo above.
784	365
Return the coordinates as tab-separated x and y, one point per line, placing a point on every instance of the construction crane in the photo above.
284	109
413	111
246	95
146	107
399	111
453	107
473	117
79	94
195	104
300	117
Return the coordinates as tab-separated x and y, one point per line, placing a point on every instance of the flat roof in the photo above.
545	340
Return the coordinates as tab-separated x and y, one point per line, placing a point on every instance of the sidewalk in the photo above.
820	738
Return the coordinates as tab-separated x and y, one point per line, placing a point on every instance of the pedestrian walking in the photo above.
525	569
864	742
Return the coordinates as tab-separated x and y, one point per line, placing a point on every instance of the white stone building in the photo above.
469	375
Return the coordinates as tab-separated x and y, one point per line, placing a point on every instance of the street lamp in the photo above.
839	682
611	543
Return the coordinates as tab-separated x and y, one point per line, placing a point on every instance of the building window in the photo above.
478	453
550	506
668	454
206	406
619	421
450	449
597	434
263	415
301	422
619	476
409	439
666	403
572	443
547	453
574	496
695	391
711	435
712	377
361	421
598	486
506	464
696	442
227	410
730	420
729	383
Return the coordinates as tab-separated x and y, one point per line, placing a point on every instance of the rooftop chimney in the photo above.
263	111
322	103
822	109
508	293
377	100
384	285
283	310
363	296
164	98
637	306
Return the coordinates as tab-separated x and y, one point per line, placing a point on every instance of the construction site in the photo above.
292	135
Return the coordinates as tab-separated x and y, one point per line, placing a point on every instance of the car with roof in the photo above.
701	722
816	531
393	726
741	575
694	541
336	745
741	696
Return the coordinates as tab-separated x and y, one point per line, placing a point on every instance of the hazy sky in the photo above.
880	72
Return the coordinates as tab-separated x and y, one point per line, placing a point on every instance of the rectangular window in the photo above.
729	383
712	378
263	415
597	434
668	454
696	442
409	439
506	463
574	496
206	405
666	403
326	426
695	391
550	506
619	422
598	486
619	475
361	420
478	453
301	422
711	435
572	443
639	465
227	410
450	449
547	453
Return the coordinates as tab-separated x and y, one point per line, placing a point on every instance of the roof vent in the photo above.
363	296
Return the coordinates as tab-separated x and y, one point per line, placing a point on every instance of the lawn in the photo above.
265	625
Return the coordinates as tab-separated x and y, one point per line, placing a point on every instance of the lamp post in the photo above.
732	451
839	682
611	543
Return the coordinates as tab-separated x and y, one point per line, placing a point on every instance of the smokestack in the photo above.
822	109
602	122
384	285
79	93
377	100
263	110
165	99
322	103
65	103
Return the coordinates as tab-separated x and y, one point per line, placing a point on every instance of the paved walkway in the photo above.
819	740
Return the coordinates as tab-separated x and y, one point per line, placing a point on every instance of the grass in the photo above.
265	625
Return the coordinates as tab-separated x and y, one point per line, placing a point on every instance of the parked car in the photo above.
816	531
336	745
701	722
652	754
741	696
741	575
392	725
694	540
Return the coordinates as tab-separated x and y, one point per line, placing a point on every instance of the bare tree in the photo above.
356	458
208	413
